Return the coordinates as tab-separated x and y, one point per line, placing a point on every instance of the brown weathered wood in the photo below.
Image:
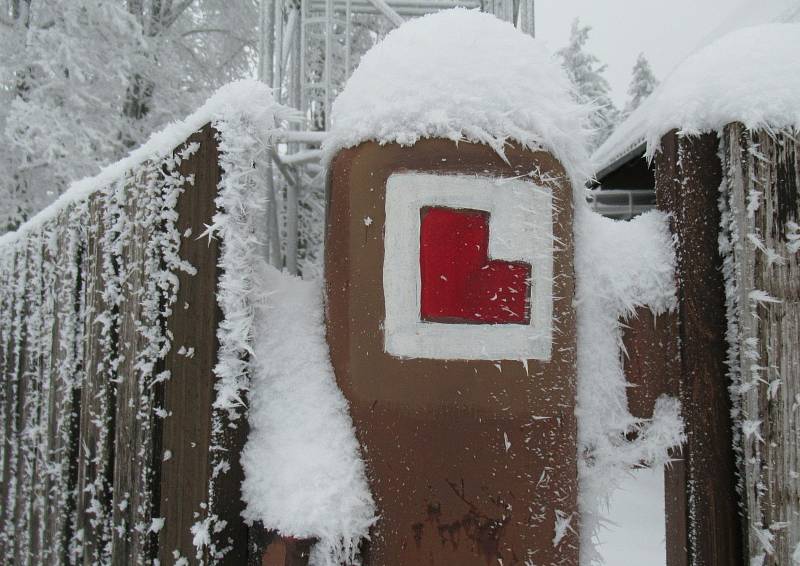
134	409
652	365
6	373
688	176
92	528
43	314
287	551
652	368
50	511
28	397
452	455
12	407
189	393
59	488
82	456
763	196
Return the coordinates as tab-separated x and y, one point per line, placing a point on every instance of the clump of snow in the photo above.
620	266
303	471
462	75
156	524
747	76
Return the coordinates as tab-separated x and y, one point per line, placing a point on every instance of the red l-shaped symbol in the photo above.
460	284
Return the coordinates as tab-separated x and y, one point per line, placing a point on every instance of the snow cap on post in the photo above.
749	76
463	75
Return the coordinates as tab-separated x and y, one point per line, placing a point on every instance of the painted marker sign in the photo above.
457	267
451	326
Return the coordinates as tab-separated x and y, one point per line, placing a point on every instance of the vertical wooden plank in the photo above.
189	393
64	375
11	385
763	199
13	406
95	458
29	395
7	279
688	177
652	360
6	305
133	461
653	368
57	253
43	321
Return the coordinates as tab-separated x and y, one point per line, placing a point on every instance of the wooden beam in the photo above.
688	177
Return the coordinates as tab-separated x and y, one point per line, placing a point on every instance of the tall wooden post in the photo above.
762	194
688	176
462	390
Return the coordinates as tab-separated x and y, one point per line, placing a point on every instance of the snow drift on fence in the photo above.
463	75
305	476
749	76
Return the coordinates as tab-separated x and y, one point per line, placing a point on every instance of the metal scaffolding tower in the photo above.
307	51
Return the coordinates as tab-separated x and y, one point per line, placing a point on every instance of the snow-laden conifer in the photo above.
586	73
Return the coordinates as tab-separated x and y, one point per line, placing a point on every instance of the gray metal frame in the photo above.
292	31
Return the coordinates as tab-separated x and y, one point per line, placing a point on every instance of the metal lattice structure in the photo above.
308	49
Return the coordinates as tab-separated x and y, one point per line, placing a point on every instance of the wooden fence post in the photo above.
185	433
461	471
688	177
762	199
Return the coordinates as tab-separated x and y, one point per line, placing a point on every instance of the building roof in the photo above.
629	140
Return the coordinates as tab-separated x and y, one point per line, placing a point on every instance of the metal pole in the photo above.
328	74
277	77
266	43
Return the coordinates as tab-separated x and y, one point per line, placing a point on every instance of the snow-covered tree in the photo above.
643	83
586	73
84	81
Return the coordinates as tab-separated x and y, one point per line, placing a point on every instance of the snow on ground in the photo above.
303	470
634	532
449	75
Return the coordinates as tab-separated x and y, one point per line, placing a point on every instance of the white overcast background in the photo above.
665	31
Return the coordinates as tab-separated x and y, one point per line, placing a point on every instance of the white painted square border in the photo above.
520	229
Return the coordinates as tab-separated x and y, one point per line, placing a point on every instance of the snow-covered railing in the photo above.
623	204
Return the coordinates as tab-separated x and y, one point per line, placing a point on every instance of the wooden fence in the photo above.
733	493
109	324
108	342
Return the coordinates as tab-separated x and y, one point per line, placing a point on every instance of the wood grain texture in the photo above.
83	459
133	427
63	409
95	462
188	395
763	198
688	177
10	376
